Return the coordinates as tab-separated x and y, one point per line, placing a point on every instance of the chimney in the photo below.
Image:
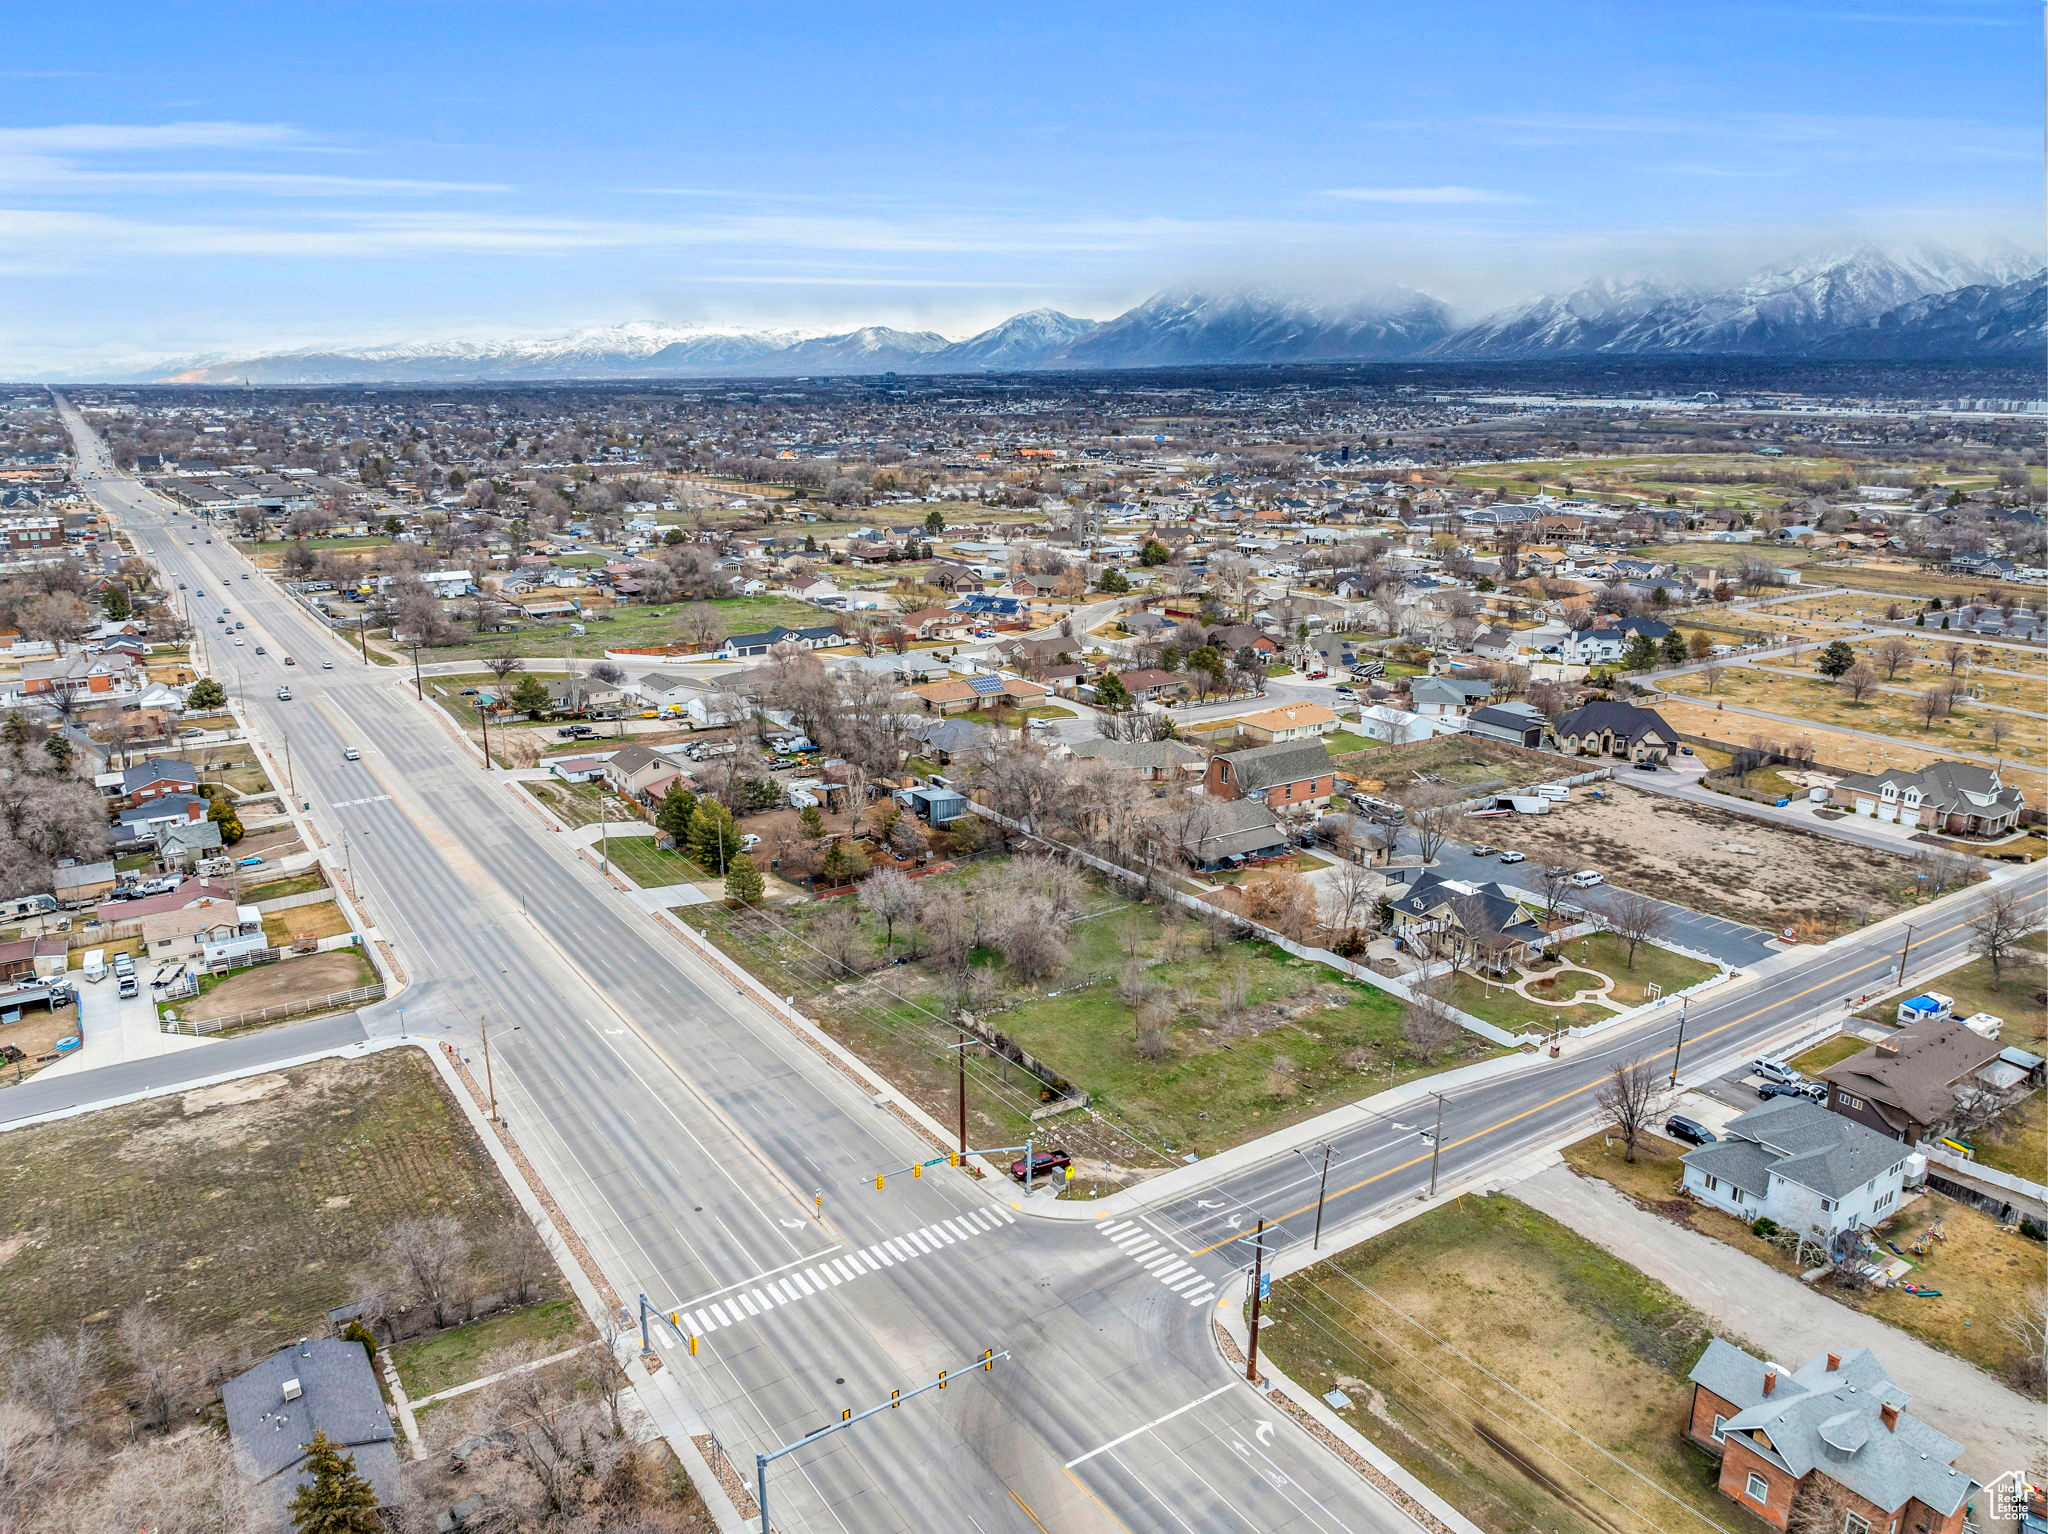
1888	1049
1770	1378
1834	1362
1889	1414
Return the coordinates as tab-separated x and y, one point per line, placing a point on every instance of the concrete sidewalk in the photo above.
1999	1429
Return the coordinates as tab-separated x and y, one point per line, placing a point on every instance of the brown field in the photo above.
1686	853
1982	657
1831	747
274	985
1805	701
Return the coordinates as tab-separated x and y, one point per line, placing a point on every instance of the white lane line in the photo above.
1155	1422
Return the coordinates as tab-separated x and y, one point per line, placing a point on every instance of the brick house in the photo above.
1293	775
1960	798
1834	1429
159	775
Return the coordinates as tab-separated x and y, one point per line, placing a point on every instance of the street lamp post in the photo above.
1251	1359
490	1082
419	691
1322	1185
1684	1006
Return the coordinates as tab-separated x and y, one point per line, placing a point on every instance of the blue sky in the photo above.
181	179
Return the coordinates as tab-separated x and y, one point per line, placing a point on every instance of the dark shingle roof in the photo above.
1289	761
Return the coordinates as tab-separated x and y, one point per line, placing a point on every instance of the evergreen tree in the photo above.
16	731
116	604
1640	654
1154	553
1837	658
1114	581
844	863
221	811
337	1500
743	883
673	814
935	521
530	696
60	749
1110	692
810	543
812	819
714	839
1675	651
206	693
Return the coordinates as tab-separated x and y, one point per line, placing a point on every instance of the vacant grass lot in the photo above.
632	627
579	804
1979	1269
2022	1000
1497	1355
326	919
241	1213
648	865
1833	1052
429	1365
1253	1039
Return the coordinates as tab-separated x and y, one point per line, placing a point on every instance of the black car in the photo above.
1813	1091
1689	1130
1644	766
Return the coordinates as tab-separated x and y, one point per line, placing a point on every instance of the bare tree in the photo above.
1997	730
502	664
1286	902
1953	656
1634	918
430	1253
1631	1098
1859	682
1930	706
2025	1322
839	936
1711	673
890	897
151	1343
1555	880
1894	655
1031	938
1428	1021
1435	814
54	1374
1996	931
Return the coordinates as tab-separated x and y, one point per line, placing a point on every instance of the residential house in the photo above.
1514	722
213	930
1149	683
1836	1427
984	690
1599	646
1219	833
155	777
936	623
1290	721
818	637
1960	798
1909	1085
956	578
1159	761
1293	775
576	769
1496	644
33	958
317	1385
1621	730
632	768
85	677
182	845
947	742
1798	1164
166	809
1383	721
1443	697
81	884
1434	914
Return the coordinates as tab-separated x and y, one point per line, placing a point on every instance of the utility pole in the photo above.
1904	951
1684	1006
490	1083
419	691
960	1057
1322	1185
362	634
484	718
1251	1360
1436	1142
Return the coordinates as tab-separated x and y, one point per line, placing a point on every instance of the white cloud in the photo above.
105	138
1424	194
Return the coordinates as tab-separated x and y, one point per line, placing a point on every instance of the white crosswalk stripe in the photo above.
1160	1261
829	1272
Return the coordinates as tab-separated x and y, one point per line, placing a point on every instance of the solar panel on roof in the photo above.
986	685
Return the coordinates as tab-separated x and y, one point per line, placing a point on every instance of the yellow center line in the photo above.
1494	1128
1026	1506
1096	1500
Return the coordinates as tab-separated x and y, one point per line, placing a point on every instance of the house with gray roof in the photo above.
323	1385
1960	798
1292	775
1623	730
1515	723
1156	760
1794	1162
1834	1433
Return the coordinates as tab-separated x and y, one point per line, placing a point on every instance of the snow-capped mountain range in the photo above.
1860	301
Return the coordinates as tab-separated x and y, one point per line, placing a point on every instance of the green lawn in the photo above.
630	627
648	865
577	804
429	1365
279	545
1505	1009
1341	742
296	884
1833	1052
2022	1001
2018	1142
1607	953
1466	1340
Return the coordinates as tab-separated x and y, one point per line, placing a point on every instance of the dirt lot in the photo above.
273	985
242	1212
1716	860
271	842
1460	760
36	1036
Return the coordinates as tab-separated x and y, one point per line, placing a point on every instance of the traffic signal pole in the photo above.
1251	1352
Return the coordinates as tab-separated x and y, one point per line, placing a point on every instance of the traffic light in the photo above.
693	1345
918	1170
878	1182
952	1158
988	1360
895	1399
846	1414
942	1379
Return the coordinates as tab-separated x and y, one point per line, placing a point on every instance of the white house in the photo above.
1794	1162
1383	722
1594	647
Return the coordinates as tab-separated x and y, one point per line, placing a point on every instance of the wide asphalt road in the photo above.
685	1132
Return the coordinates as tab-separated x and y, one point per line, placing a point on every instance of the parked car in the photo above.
1514	857
1484	850
1644	766
248	862
576	732
1689	1130
1773	1070
1586	878
1813	1091
1042	1163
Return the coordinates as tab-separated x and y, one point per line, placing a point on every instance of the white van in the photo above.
95	965
1586	878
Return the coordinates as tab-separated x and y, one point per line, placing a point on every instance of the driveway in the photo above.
1736	945
1998	1428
